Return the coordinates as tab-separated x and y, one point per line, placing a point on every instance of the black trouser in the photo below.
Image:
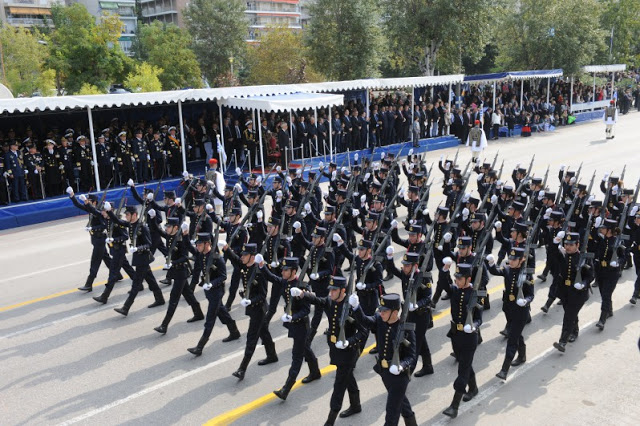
257	329
142	273
552	267
421	320
233	286
320	289
496	131
443	284
464	347
516	319
301	350
118	258
636	262
397	402
345	380
607	281
158	244
180	287
98	254
216	309
572	305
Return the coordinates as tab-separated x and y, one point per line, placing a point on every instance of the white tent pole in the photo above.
548	88
93	149
315	117
259	124
571	94
494	96
613	82
330	135
450	98
184	148
368	107
521	93
223	164
291	137
413	94
593	95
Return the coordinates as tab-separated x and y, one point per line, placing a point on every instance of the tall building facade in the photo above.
167	11
263	14
26	13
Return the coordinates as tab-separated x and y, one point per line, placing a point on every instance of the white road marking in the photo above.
44	271
156	387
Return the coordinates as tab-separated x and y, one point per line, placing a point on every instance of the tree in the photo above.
145	79
622	17
219	29
420	31
180	67
279	58
344	39
82	51
24	59
89	89
550	34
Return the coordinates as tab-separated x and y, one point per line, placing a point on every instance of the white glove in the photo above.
286	318
410	152
598	222
134	249
557	240
150	196
109	240
107	206
69	189
355	157
560	234
314	276
209	208
634	210
88	228
578	286
394	224
562	167
363	199
178	201
36	170
259	179
221	244
185	174
343	170
299	172
390	251
447	261
468	328
152	213
465	213
540	195
26	172
238	188
494	199
491	259
447	166
342	345
354	301
395	369
295	292
184	226
413	307
336	238
441	158
450	181
572	180
296	225
521	302
82	198
307	207
166	266
606	176
207	286
130	182
333	175
245	302
210	183
279	194
361	286
325	194
425	212
499	183
274	264
321	165
518	166
367	176
447	237
259	258
401	192
355	212
613	264
238	171
288	179
547	213
259	215
480	177
61	166
278	169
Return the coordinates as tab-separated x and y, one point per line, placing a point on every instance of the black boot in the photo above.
473	389
373	350
162	329
389	277
542	278
547	305
505	369
452	411
239	373
234	333
560	346
522	356
197	351
603	319
101	299
158	302
314	372
166	281
410	421
354	405
445	296
331	419
272	357
197	313
487	304
505	331
283	392
427	367
88	286
123	311
633	300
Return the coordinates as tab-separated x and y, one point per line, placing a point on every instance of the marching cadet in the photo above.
105	166
254	296
369	287
466	318
553	235
255	224
387	326
83	163
177	237
141	260
420	311
237	244
609	270
200	221
610	118
153	220
321	268
295	319
342	354
635	249
212	282
122	151
444	278
515	299
53	168
140	152
574	293
414	210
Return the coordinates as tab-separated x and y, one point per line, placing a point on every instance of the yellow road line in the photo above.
233	415
61	293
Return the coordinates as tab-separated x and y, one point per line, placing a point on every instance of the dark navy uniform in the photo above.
608	272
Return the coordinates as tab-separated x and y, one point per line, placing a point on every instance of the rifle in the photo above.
624	169
605	204
344	313
381	218
455	213
249	215
303	201
487	195
478	266
100	203
176	238
118	211
621	236
423	200
142	220
213	254
403	326
391	172
577	176
584	254
493	164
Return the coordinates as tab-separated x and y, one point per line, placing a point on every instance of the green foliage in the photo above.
167	46
24	62
219	29
550	34
82	51
279	58
146	78
623	16
344	39
89	89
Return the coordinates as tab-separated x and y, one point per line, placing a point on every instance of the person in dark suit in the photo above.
228	137
283	143
301	134
347	129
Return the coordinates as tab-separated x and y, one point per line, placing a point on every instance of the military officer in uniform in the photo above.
83	163
14	169
105	162
609	270
123	155
477	140
141	155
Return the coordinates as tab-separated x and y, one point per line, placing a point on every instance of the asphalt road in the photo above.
64	359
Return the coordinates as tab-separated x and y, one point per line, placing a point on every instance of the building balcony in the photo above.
28	22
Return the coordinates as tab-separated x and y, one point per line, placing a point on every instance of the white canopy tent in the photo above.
595	69
281	103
